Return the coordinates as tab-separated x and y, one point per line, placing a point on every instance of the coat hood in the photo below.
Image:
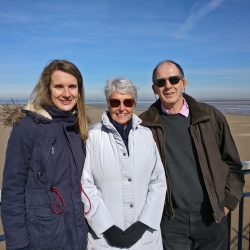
11	114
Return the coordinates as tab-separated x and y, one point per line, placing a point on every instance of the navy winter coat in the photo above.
41	196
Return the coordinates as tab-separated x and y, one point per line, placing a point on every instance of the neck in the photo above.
173	108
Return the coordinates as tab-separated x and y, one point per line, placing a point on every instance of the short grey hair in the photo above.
122	85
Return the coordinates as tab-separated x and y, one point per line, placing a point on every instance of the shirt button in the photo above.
131	205
124	154
129	179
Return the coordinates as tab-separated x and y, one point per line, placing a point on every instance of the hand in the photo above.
116	237
135	232
226	211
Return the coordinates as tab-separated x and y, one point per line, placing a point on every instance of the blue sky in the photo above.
127	38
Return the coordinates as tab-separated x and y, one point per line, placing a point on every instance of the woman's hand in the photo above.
116	237
135	232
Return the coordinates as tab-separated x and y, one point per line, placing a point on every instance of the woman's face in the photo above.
121	114
64	90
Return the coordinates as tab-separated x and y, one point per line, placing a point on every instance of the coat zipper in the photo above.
169	191
205	181
53	147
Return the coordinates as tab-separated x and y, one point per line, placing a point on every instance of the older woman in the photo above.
123	177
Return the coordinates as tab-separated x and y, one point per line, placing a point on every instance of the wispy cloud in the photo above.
223	73
198	11
12	18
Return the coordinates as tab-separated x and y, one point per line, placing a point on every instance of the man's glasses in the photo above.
114	103
162	81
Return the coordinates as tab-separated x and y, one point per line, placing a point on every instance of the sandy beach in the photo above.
240	128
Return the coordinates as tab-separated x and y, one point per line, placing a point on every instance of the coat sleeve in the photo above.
15	174
98	216
235	178
153	208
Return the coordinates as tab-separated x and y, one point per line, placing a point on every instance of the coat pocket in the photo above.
46	232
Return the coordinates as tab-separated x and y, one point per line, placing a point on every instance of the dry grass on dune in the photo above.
10	114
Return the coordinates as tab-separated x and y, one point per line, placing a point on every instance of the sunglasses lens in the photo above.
114	103
128	103
160	82
174	79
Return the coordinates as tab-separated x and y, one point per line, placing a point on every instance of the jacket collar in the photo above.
45	115
197	112
106	122
56	113
120	127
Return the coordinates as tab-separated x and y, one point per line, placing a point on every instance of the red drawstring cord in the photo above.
90	206
59	197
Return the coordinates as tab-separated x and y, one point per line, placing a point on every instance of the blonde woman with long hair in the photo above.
41	194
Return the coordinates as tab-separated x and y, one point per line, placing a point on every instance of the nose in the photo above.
121	107
66	92
168	84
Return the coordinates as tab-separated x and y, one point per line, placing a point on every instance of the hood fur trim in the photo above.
39	111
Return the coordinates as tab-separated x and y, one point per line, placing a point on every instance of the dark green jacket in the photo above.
218	157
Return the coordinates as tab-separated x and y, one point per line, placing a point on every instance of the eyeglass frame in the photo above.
167	79
123	101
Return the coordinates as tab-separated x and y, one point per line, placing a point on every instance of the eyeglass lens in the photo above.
172	79
114	103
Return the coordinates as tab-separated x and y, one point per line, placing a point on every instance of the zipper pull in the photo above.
39	175
53	148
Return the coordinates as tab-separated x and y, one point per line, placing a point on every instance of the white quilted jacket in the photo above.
123	189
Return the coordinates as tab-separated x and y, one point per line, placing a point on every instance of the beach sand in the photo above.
240	128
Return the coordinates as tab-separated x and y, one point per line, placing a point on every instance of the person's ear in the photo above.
184	83
154	89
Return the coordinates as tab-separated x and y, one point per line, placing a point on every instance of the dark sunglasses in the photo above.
162	81
114	103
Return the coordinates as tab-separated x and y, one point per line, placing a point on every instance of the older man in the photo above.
201	163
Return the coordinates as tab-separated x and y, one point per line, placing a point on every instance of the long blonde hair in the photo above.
42	95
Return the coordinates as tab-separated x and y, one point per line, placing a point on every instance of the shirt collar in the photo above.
184	110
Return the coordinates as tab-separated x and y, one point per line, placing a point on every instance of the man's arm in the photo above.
235	178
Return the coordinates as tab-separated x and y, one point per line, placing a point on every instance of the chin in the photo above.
66	109
122	122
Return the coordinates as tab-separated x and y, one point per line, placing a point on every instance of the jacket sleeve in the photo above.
153	208
235	178
98	216
15	174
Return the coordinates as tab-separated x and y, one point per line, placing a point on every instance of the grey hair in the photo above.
122	85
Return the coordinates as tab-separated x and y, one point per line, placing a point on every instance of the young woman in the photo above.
41	194
123	177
